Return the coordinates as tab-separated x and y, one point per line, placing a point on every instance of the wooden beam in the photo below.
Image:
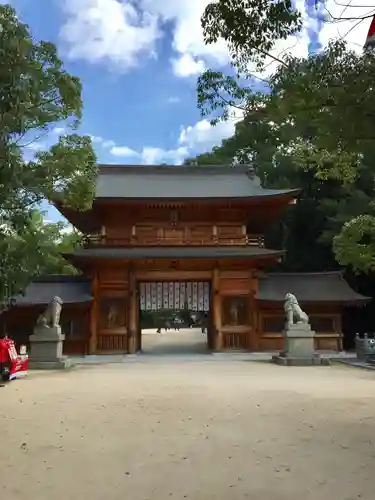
94	311
173	275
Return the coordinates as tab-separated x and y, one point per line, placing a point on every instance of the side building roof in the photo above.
167	182
71	289
329	287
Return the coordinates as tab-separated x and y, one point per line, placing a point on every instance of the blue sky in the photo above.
138	62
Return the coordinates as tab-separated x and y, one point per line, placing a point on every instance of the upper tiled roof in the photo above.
308	287
157	182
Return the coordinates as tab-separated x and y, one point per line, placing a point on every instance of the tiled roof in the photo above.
156	182
71	289
308	287
161	252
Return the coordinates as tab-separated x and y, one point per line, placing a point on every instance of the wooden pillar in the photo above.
216	313
94	315
252	343
338	328
132	314
254	311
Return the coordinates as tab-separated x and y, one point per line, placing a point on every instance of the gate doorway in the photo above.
174	317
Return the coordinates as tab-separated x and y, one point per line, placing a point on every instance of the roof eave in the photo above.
70	256
85	221
265	196
355	301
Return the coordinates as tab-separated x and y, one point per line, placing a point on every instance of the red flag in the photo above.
370	40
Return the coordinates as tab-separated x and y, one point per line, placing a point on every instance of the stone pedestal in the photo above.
299	347
46	347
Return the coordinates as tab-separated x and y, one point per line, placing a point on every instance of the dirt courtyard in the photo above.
162	428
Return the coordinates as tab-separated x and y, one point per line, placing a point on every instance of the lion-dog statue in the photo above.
293	311
50	318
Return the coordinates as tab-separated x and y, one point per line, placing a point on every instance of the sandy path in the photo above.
218	430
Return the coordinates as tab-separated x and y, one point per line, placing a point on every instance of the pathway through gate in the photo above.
174	317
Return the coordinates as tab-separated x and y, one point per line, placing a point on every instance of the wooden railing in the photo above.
105	241
236	340
112	342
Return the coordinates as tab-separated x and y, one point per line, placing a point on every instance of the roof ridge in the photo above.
108	169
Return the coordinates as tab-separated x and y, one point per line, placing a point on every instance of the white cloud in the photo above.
203	136
152	156
116	32
58	130
123	151
108	144
187	65
100	141
353	31
193	139
109	30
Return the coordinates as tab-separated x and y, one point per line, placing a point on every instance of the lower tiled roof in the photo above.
71	289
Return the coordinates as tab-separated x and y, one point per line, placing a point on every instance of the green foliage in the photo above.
355	245
316	115
250	28
38	248
35	94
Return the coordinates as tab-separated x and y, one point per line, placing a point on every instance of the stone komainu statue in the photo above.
51	316
294	313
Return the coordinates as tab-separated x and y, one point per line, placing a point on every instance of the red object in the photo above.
12	364
370	40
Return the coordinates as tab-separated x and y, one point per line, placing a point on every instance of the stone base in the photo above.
46	348
58	364
286	360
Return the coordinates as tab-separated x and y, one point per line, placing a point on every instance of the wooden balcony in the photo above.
91	241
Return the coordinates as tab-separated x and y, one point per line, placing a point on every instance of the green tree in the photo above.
316	111
35	94
308	229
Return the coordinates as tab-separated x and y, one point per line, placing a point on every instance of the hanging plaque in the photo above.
200	296
159	296
189	295
182	296
142	293
170	298
177	295
153	296
148	296
195	296
165	295
206	296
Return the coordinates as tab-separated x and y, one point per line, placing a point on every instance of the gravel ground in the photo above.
201	430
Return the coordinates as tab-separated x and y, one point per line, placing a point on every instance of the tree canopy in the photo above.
315	113
36	92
